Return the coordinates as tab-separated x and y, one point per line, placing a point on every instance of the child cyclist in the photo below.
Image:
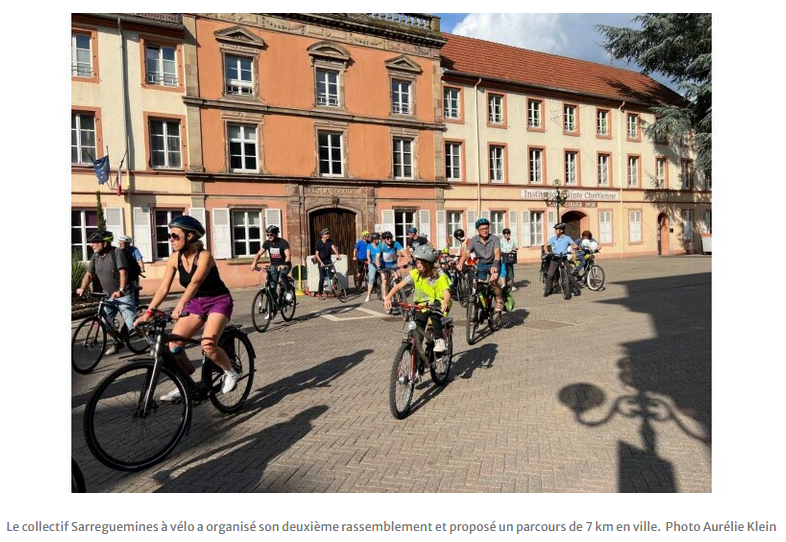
432	286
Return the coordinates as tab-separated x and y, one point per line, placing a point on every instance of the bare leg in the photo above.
214	327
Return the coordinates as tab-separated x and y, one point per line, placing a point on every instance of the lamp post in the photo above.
559	197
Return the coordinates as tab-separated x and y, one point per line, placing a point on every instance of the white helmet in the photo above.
593	246
124	238
585	243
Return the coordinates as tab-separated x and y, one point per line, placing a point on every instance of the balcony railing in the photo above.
417	20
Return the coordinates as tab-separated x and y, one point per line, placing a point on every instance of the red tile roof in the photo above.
481	58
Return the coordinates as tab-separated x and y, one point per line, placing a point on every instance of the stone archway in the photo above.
575	222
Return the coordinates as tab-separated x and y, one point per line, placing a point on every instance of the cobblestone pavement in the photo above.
607	392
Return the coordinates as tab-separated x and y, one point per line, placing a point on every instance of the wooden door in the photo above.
341	224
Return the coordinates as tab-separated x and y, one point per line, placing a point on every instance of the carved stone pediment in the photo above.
404	64
326	50
238	35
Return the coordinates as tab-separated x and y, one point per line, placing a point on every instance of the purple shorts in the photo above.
202	306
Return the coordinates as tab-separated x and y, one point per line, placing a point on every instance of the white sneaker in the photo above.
368	298
230	381
440	346
171	397
114	349
513	289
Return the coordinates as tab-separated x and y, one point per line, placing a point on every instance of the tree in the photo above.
101	221
678	45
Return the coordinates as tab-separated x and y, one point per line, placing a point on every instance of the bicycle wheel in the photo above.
596	278
88	345
122	437
288	305
402	381
261	313
338	289
440	366
472	321
462	289
136	341
564	283
241	355
77	479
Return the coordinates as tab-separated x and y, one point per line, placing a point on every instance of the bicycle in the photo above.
127	428
464	284
361	276
88	343
334	283
480	307
273	297
594	276
77	478
415	355
389	275
562	276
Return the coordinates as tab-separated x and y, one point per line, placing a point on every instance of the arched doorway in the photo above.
341	224
663	234
574	221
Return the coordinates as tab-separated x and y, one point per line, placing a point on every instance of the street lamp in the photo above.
558	197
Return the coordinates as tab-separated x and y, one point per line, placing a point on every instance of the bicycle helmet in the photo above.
410	231
445	251
482	221
100	237
459	234
593	246
124	239
365	233
323	232
387	235
273	229
188	223
506	230
426	253
374	236
559	226
585	243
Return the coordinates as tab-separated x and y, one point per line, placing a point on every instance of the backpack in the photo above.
133	267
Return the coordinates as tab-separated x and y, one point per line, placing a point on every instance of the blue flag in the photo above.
102	169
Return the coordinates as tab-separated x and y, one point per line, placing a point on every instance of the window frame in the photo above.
502	224
577	154
534	241
403	139
628	171
542	125
462	160
84	230
253	59
609	124
459	104
146	41
99	137
404	225
243	126
250	253
542	165
609	163
687	166
683	213
341	133
576	129
92	34
338	84
410	96
453	226
165	117
637	138
611	226
503	109
665	183
631	213
155	226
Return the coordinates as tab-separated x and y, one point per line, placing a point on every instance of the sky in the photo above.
566	34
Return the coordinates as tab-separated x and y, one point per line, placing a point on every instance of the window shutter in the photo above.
114	221
470	223
442	232
424	218
143	233
547	227
526	234
273	217
687	225
199	214
605	227
388	220
514	227
222	238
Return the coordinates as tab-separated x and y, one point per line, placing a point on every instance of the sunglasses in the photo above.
269	235
174	237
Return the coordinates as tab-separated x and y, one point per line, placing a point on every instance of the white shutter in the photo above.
442	232
470	223
199	214
143	233
388	220
273	217
548	225
605	227
222	238
514	227
424	218
114	221
635	226
526	234
687	225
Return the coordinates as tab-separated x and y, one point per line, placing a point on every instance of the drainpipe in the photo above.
477	139
124	94
623	174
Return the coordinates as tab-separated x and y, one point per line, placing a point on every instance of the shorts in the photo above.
204	306
483	270
125	305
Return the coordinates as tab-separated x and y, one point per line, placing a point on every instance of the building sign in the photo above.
575	204
331	191
575	195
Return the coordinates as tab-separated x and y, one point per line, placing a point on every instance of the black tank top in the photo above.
211	286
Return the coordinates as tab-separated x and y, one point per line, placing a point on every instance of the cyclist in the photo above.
206	301
584	244
360	254
559	244
508	245
414	240
387	258
280	258
134	255
110	266
374	248
432	286
325	247
486	248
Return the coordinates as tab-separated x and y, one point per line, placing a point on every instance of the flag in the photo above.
120	176
102	169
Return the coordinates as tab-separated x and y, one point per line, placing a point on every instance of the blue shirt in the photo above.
560	244
361	247
389	257
373	252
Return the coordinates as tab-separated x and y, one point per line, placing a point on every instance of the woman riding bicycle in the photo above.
432	287
206	300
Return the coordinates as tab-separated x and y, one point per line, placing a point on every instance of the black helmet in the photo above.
559	226
506	230
459	234
387	235
188	223
323	232
273	229
100	237
374	236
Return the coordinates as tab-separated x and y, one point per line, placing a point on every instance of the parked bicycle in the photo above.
416	355
126	425
88	343
480	308
334	284
593	275
273	297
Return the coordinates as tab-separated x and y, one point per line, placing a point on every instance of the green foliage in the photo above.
679	45
78	270
100	212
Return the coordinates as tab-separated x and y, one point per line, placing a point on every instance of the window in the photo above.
327	87
602	124
706	222
687	224
246	233
687	174
536	228
454	223
161	65
604	173
330	154
633	171
604	219
497	222
402	158
165	144
402	99
635	226
83	223
534	116
571	167
242	147
451	103
496	164
162	220
453	161
83	138
660	172
495	109
570	123
536	166
633	127
81	55
404	221
239	75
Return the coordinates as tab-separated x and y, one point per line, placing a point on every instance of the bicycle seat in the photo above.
447	320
